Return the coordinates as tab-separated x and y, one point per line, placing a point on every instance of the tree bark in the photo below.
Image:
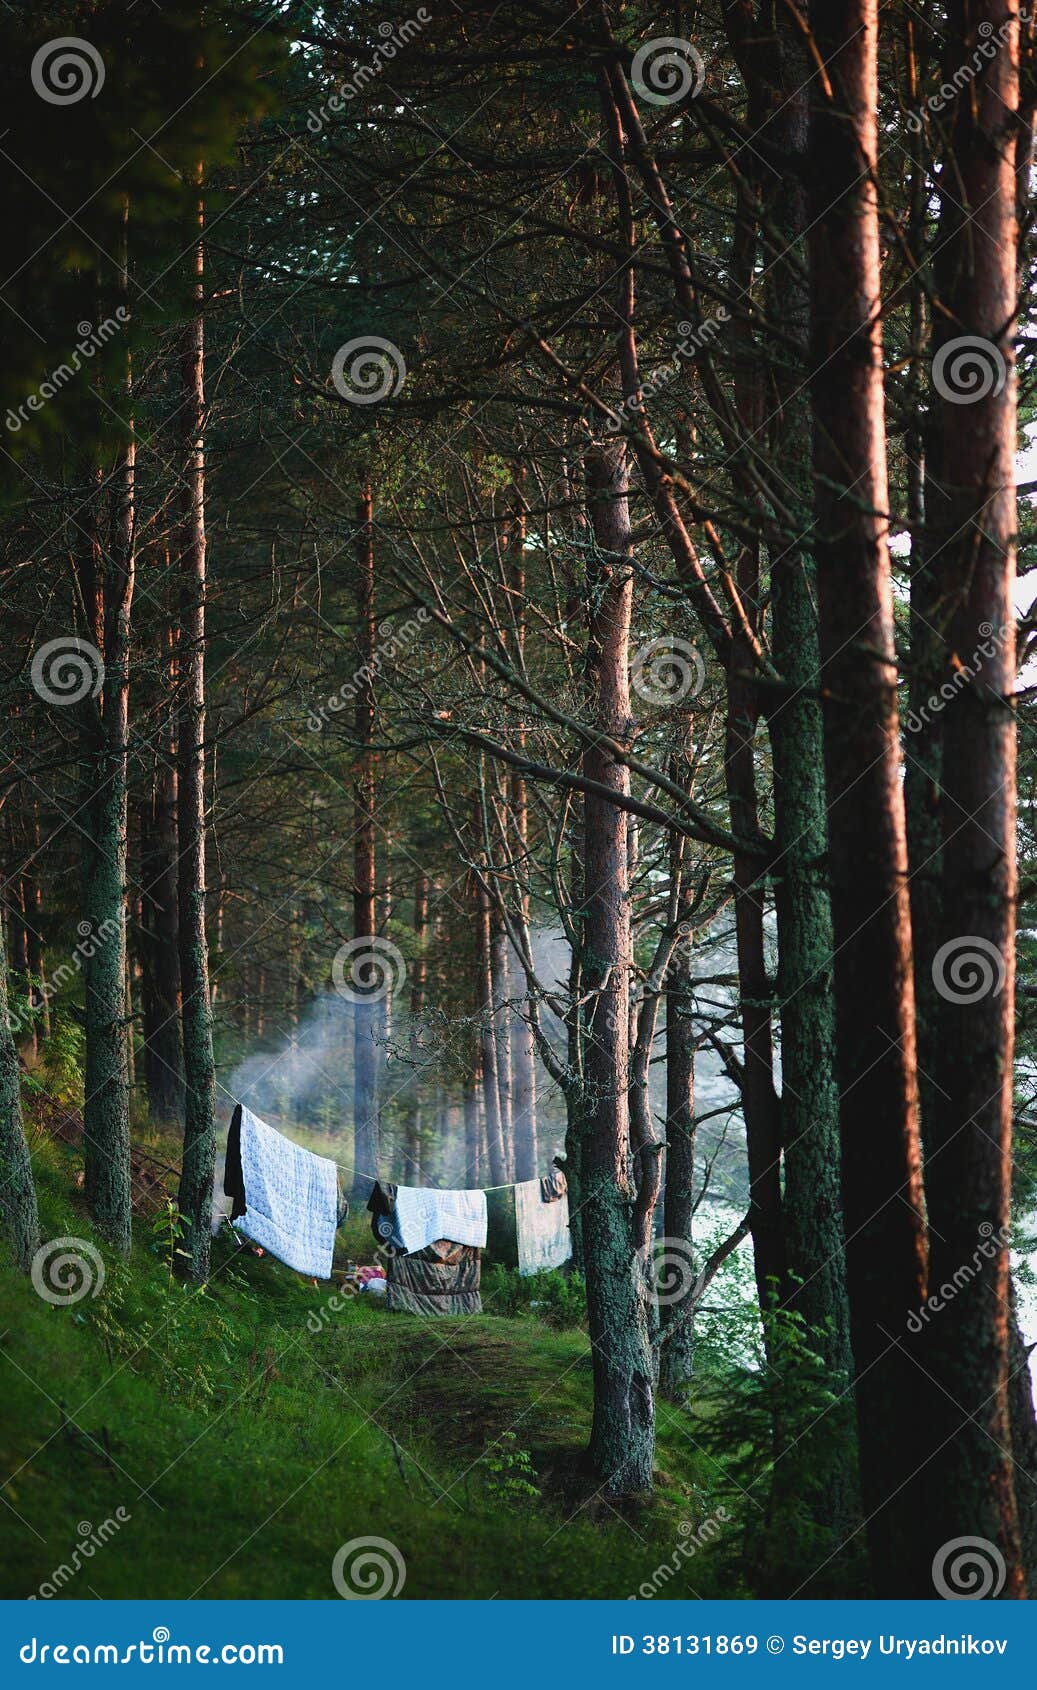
969	1152
365	1010
615	1260
199	1164
106	1116
484	1005
501	974
163	1032
885	1251
676	1357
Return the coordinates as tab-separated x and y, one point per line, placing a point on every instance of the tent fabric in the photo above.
441	1279
283	1197
424	1215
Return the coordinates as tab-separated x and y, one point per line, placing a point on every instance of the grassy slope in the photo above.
248	1447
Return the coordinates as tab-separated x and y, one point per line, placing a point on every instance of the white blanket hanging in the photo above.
424	1215
291	1198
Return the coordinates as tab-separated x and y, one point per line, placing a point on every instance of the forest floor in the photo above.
249	1430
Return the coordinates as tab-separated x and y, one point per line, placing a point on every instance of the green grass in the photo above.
251	1429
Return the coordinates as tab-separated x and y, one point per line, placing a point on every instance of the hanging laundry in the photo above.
284	1197
553	1186
542	1227
527	1231
424	1215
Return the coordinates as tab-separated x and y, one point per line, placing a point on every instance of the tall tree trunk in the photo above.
365	1009
676	1356
199	1163
806	1005
523	1042
419	980
472	1130
18	1214
615	1235
885	1251
969	1151
502	1033
163	1032
106	1116
484	1004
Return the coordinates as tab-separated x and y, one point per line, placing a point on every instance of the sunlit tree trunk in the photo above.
885	1250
